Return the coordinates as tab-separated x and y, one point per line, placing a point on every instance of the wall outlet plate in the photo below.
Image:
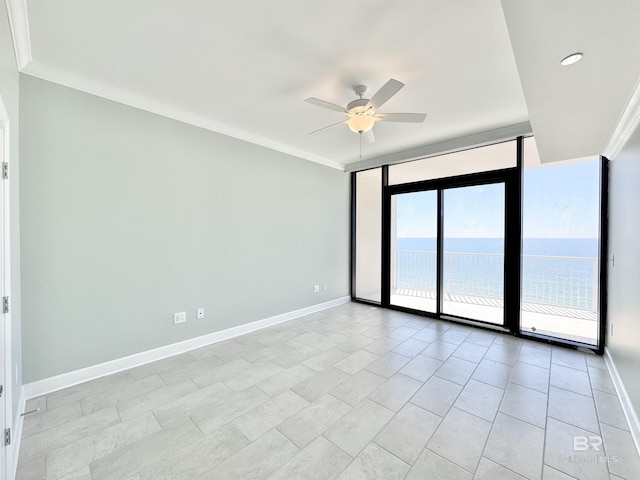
179	317
316	288
200	313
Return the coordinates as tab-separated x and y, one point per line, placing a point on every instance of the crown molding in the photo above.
448	146
151	105
627	124
19	25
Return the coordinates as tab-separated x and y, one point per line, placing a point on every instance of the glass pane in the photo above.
414	226
368	234
560	262
481	159
473	256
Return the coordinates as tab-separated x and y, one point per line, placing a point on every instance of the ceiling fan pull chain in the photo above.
360	144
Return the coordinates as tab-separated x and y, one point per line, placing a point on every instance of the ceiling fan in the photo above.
363	112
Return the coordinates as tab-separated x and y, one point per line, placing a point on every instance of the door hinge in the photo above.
7	436
5	170
5	304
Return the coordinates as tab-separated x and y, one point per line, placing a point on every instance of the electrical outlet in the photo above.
316	288
611	330
179	317
200	313
324	286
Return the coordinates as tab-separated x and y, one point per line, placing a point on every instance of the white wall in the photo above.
129	217
9	91
624	276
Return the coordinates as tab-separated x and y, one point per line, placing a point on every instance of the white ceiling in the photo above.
244	67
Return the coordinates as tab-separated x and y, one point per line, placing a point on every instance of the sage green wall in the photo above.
128	217
10	93
624	276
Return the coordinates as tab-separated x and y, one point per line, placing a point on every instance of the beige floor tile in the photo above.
212	416
355	389
303	427
325	359
560	453
470	351
502	353
440	350
437	395
488	470
320	460
573	408
531	376
87	450
375	463
197	458
609	410
181	407
421	367
434	467
144	452
411	347
249	377
135	406
356	362
622	457
319	384
388	364
408	432
535	356
69	432
353	431
396	396
570	379
516	445
480	399
47	419
456	370
525	404
568	358
396	391
494	373
601	380
283	381
256	461
260	420
460	428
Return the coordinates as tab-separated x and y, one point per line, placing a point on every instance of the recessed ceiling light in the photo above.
571	59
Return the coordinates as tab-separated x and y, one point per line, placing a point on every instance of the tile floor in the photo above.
352	392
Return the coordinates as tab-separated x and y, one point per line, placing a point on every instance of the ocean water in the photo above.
555	271
574	247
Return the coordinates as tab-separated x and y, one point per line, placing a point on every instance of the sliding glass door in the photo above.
454	267
473	252
414	272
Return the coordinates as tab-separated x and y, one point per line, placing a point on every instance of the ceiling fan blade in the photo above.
369	137
401	117
323	104
387	91
328	126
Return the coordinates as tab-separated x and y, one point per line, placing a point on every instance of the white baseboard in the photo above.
16	437
627	406
65	380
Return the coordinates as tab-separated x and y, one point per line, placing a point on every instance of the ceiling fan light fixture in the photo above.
361	123
571	59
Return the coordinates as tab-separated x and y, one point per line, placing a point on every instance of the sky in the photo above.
559	202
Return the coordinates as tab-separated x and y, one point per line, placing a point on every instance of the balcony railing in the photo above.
570	282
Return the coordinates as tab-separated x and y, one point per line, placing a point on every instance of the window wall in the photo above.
367	233
490	236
